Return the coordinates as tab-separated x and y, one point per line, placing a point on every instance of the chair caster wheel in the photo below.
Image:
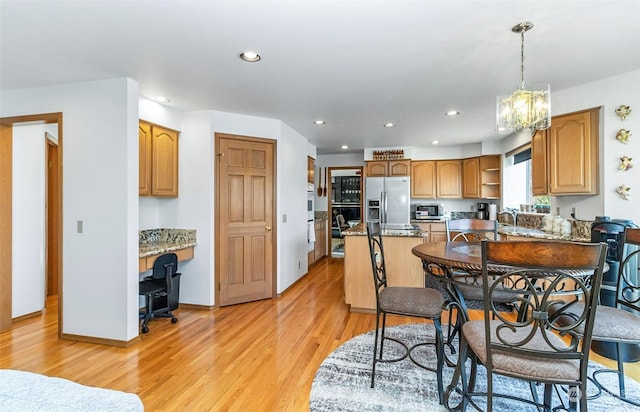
145	329
174	320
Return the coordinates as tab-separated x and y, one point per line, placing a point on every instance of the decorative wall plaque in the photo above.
623	111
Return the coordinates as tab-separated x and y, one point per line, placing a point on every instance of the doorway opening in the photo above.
344	204
50	182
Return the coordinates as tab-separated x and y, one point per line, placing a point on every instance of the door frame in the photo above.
6	198
330	189
216	195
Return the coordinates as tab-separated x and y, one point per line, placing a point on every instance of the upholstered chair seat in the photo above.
421	302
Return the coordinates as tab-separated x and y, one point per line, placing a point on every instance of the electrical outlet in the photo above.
79	226
472	208
284	218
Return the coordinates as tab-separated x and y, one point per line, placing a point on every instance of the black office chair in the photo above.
160	290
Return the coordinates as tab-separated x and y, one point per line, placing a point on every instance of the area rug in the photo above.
30	392
342	383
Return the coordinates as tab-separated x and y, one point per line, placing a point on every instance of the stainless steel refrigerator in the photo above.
388	199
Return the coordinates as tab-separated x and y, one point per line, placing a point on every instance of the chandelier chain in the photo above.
522	58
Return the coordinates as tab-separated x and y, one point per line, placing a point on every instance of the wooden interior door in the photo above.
245	218
53	224
6	184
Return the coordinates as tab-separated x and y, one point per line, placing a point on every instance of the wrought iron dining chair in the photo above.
532	348
418	302
465	230
619	324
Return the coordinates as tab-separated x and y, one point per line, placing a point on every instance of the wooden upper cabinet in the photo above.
471	178
448	179
490	176
144	165
539	164
423	179
573	154
160	154
381	168
399	167
377	168
564	158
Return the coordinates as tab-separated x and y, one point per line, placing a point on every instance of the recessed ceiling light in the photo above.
162	99
344	147
452	113
435	142
250	56
388	125
319	122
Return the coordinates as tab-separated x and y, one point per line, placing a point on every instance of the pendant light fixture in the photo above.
525	107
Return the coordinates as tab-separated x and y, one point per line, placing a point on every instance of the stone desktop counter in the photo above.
403	268
155	242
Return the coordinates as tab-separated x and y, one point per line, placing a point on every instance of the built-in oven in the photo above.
311	233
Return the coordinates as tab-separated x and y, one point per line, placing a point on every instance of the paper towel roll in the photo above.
492	212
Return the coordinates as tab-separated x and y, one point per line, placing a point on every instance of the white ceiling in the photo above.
355	64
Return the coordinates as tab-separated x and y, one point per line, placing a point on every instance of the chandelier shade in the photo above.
525	107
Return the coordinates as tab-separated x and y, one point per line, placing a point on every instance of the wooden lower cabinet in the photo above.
320	249
403	268
437	232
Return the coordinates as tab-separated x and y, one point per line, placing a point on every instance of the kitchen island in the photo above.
403	268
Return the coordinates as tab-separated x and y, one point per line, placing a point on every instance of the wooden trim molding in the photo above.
100	341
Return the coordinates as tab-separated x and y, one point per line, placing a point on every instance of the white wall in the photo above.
28	214
100	154
194	208
609	93
321	203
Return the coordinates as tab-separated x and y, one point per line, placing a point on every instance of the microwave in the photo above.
433	211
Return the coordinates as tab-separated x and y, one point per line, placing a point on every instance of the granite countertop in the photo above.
522	231
361	230
157	241
320	215
417	221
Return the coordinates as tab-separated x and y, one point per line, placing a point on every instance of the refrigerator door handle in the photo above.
384	207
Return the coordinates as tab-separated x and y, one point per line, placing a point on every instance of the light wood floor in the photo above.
260	356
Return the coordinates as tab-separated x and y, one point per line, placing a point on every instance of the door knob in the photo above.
268	228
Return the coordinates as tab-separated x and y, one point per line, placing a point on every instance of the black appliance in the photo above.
483	211
346	189
610	231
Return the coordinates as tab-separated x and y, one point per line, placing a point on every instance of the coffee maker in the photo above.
483	211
